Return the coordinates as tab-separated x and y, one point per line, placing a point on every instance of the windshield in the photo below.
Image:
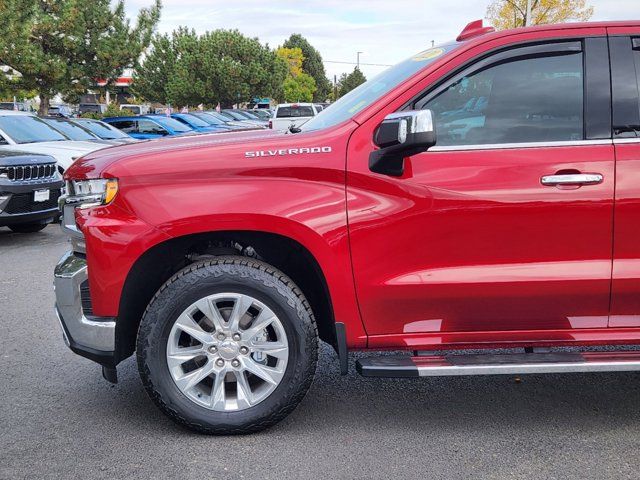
223	116
235	115
90	108
173	124
101	129
370	91
263	114
209	118
28	129
192	119
74	132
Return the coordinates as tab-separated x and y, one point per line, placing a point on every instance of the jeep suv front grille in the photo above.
23	203
21	173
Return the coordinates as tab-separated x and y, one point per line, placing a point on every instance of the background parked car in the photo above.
19	106
289	115
60	111
73	131
104	130
29	191
229	120
262	113
214	121
137	109
147	127
199	124
237	114
99	108
27	133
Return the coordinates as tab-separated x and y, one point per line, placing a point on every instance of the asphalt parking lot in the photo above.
60	419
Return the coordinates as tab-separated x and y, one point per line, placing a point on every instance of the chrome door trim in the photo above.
500	146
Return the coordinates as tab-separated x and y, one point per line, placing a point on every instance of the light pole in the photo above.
527	21
358	59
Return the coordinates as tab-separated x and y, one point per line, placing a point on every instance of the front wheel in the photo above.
227	346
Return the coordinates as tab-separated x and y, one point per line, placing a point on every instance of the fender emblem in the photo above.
286	151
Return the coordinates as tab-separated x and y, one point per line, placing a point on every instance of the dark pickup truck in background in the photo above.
29	191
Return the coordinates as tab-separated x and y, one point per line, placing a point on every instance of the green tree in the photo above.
63	46
312	65
504	14
219	66
294	59
150	79
298	86
299	89
346	83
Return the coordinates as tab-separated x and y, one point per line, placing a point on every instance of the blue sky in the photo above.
386	31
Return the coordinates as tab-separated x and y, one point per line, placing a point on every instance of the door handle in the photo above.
572	179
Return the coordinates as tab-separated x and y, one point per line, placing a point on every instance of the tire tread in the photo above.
270	277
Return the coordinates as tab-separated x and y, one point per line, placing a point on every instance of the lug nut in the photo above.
235	363
236	337
244	350
221	336
213	349
220	362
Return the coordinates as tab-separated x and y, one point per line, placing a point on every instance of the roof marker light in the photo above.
474	29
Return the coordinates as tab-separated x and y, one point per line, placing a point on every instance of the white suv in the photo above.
289	115
25	132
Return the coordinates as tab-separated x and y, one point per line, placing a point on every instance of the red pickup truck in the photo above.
483	194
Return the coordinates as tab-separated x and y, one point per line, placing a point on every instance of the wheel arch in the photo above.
157	264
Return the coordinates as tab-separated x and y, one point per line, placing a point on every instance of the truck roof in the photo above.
476	29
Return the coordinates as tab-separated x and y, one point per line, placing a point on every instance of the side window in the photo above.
3	141
147	126
635	43
283	112
625	65
126	126
537	99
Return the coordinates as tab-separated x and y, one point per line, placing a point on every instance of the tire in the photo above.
28	227
247	278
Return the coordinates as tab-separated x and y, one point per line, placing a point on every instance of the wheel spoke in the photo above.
275	349
246	397
242	304
218	362
211	311
218	392
178	356
262	321
193	378
190	327
268	374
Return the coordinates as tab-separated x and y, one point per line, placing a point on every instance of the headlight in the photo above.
91	193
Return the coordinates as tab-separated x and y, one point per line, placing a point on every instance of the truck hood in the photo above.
64	152
95	163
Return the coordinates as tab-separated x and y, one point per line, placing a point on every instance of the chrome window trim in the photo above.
502	146
626	140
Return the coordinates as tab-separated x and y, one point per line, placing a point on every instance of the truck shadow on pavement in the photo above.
446	404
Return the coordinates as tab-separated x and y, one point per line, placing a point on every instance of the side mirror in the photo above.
400	135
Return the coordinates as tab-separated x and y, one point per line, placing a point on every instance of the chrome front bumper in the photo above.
86	335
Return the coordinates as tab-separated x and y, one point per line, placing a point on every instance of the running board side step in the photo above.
498	364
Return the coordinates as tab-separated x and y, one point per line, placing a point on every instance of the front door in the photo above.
505	225
625	71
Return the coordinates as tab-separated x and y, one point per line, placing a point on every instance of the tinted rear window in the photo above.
295	111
